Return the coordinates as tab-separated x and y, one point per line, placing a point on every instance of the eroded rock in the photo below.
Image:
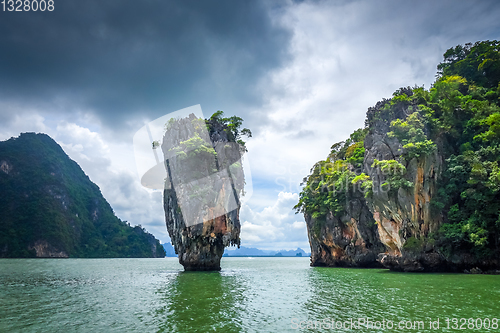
202	189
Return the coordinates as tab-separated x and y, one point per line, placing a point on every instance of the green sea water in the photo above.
247	295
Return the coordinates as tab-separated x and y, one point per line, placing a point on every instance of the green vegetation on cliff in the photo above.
232	127
459	119
48	205
329	186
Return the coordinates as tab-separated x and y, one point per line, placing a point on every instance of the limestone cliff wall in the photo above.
347	241
389	227
401	214
45	250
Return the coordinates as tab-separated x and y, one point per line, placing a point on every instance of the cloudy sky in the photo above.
300	73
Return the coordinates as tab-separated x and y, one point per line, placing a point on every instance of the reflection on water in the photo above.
200	301
380	295
260	295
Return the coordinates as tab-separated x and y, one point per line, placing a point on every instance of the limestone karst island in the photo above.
204	182
418	187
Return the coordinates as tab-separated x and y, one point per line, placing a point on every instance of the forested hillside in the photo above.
50	208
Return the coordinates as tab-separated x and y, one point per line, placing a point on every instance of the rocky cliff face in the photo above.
201	195
350	240
388	226
403	215
45	250
407	222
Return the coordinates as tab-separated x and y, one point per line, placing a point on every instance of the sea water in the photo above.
247	295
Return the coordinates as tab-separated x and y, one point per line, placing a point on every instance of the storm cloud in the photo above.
120	59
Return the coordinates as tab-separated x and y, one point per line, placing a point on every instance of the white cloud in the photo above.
275	227
15	119
299	225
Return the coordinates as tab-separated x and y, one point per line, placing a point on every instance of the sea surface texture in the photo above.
247	295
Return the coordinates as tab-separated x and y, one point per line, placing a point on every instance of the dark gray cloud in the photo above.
117	58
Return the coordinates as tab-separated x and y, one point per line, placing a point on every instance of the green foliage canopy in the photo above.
233	124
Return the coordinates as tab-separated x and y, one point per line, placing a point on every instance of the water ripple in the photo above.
259	295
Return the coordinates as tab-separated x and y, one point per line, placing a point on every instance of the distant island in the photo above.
49	208
169	250
248	252
254	252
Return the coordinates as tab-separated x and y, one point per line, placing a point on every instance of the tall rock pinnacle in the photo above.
202	188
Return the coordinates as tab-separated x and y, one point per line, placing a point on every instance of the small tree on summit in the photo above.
233	123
